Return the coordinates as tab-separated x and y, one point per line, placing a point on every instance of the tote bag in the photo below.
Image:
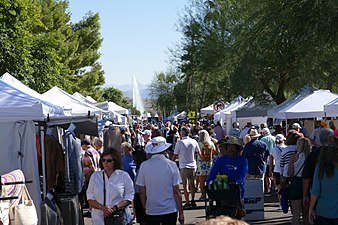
25	212
4	212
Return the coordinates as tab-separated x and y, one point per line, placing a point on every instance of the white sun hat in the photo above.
157	145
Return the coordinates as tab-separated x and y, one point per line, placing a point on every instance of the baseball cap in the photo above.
296	126
280	137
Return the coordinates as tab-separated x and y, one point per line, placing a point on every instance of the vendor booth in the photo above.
331	108
225	115
28	146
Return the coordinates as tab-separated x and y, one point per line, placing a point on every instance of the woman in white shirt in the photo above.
294	169
111	190
275	157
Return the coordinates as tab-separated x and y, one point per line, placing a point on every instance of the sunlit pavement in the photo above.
271	213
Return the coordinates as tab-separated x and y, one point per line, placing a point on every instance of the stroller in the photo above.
224	202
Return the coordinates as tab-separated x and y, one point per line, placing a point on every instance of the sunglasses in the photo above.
107	160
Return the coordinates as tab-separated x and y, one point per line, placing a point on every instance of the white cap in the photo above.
280	137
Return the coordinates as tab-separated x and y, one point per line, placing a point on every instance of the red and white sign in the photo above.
219	106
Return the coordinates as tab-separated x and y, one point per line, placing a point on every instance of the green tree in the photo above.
42	48
162	91
88	73
18	19
115	95
245	47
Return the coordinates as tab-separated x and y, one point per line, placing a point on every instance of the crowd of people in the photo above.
157	158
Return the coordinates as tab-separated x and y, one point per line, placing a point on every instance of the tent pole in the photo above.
43	153
286	127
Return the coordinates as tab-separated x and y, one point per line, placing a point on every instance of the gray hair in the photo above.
325	135
204	136
185	131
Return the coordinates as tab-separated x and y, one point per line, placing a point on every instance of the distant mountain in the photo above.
127	90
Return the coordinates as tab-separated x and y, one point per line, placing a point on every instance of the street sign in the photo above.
191	114
219	106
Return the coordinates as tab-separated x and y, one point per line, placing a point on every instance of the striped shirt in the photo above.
285	156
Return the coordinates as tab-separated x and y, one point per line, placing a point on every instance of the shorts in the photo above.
139	210
187	175
277	178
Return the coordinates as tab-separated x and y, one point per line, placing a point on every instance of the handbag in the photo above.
294	187
117	218
25	212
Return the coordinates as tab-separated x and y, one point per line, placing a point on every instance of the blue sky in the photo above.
136	35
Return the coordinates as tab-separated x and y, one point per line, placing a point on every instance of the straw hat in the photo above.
254	133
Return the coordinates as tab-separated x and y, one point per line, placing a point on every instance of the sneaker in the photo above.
187	206
193	204
202	198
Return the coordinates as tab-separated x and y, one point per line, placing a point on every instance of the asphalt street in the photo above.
272	214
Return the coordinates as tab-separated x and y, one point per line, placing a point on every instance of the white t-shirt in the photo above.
159	175
276	152
243	133
315	136
119	187
186	149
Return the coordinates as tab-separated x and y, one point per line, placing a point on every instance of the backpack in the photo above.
206	152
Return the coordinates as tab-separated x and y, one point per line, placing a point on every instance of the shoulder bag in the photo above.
294	188
25	212
117	218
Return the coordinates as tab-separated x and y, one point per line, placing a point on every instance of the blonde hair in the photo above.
204	136
222	220
304	146
126	147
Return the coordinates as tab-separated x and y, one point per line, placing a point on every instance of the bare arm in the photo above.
312	214
107	210
143	196
306	187
123	204
270	167
178	199
174	157
291	166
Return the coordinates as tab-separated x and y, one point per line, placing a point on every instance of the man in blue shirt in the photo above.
256	153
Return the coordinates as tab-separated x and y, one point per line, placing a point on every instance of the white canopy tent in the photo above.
111	106
331	108
181	115
226	116
17	105
114	115
306	104
208	110
87	99
79	108
18	111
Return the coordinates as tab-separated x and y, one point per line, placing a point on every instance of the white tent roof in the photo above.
90	99
331	108
79	108
238	102
87	99
16	105
208	110
112	107
306	104
12	81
